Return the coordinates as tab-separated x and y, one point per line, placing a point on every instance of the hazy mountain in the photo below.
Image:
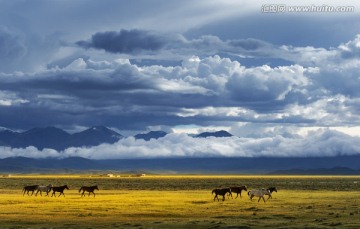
319	171
218	134
48	137
341	165
7	136
151	135
55	138
94	136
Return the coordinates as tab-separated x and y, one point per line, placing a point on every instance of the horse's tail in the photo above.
80	189
213	191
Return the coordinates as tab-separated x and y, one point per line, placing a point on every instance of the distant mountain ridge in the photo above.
217	134
340	165
151	135
318	171
58	139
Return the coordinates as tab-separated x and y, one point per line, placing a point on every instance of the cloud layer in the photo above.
125	95
317	143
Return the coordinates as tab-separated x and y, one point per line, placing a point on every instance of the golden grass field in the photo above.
182	202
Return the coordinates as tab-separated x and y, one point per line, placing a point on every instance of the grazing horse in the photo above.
221	191
237	190
88	189
30	188
59	189
46	189
259	193
271	190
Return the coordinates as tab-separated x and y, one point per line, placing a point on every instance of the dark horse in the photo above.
271	190
88	189
59	189
30	188
237	190
221	191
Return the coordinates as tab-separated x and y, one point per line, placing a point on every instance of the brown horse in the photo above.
271	190
221	191
237	190
30	188
59	189
88	189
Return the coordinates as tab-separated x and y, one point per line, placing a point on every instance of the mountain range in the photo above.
340	165
58	139
217	134
151	135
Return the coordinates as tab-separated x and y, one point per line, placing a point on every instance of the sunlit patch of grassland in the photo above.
131	207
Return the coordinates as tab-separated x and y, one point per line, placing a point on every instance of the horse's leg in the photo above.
263	199
224	197
60	194
93	193
240	193
237	194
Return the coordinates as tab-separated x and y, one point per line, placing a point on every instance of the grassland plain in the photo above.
182	202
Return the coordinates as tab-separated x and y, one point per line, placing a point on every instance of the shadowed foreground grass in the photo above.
179	209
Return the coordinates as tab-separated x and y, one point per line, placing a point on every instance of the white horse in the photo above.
259	193
44	189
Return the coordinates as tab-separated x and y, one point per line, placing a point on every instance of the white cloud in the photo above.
266	83
10	99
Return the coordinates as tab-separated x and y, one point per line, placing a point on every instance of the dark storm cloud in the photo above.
202	90
125	41
124	95
139	42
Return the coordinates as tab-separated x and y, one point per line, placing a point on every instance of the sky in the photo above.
283	83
